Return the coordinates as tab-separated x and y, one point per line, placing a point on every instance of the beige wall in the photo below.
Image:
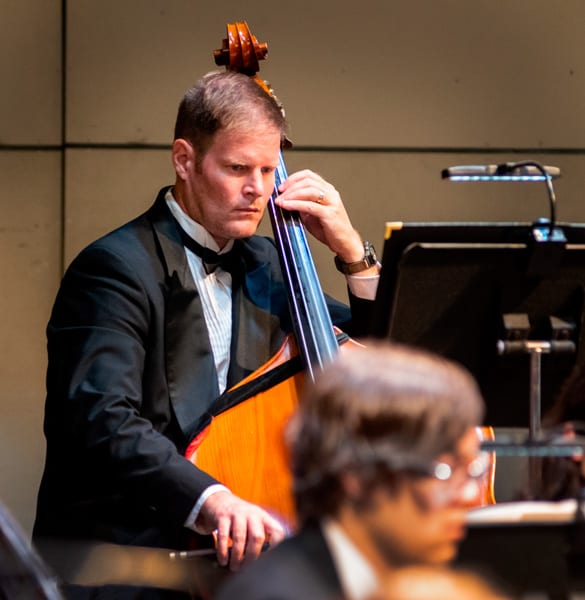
381	95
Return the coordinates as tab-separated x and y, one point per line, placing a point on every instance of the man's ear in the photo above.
352	486
183	158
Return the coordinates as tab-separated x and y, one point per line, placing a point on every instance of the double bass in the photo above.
244	446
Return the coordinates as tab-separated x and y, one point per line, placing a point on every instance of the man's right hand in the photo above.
239	525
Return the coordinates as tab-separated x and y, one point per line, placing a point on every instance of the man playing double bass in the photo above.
145	332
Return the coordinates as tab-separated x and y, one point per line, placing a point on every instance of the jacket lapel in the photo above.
191	373
256	322
255	337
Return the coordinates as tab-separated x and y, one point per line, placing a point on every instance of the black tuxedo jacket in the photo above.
299	567
131	379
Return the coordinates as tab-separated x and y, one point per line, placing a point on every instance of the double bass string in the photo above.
314	330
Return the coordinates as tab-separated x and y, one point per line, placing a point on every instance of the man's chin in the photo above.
242	230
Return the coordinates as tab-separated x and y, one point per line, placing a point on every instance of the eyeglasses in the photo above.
452	480
474	470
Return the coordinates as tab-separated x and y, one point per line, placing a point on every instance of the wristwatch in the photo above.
369	260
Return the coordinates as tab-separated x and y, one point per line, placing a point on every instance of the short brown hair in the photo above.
225	100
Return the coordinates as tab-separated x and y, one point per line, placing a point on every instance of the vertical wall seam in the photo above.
63	132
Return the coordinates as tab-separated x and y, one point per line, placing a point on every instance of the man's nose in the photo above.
255	184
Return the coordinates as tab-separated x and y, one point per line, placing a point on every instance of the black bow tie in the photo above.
211	259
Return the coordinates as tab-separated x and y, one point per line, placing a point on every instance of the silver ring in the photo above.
320	197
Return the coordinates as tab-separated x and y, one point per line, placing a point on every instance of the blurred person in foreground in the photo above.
386	463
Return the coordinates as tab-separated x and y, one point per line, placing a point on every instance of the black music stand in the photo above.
508	302
525	557
485	294
529	546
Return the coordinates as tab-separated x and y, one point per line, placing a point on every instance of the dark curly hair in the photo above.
377	411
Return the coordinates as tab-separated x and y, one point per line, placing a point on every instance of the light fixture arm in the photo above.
510	167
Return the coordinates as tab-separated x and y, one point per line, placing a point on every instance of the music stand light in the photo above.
520	171
459	289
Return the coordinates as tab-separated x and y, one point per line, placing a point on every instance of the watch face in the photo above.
370	253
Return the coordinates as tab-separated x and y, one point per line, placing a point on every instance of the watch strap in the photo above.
369	260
